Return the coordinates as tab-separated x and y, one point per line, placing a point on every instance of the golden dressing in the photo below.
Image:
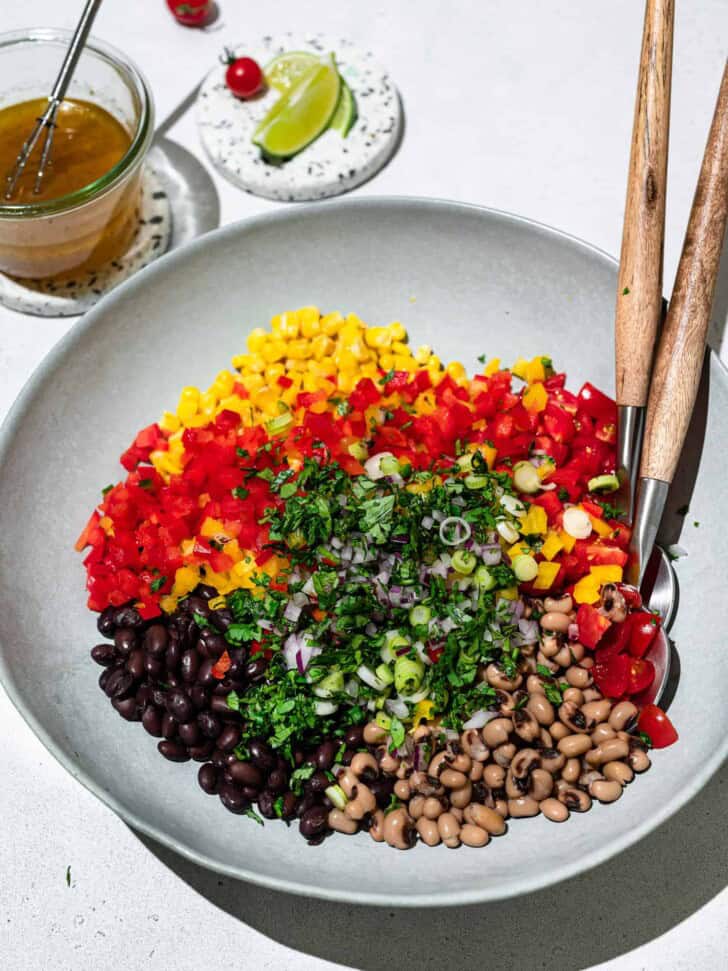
87	143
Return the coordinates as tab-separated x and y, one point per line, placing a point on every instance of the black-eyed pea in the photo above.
575	695
373	734
578	677
460	798
597	711
503	755
613	749
618	772
523	806
588	776
389	763
526	725
602	732
587	663
494	776
398	829
555	621
452	779
497	732
457	813
575	800
591	694
541	784
402	789
564	605
403	771
622	714
448	827
561	785
438	764
534	684
639	760
429	833
462	763
554	810
548	662
574	745
605	790
546	739
473	744
365	766
376	830
497	678
501	807
541	709
559	731
342	823
416	806
362	804
574	718
551	759
476	772
577	651
593	757
421	733
513	786
432	808
563	657
488	819
571	770
473	835
625	736
348	782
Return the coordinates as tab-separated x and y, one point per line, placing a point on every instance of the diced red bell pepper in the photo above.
550	502
611	675
599	554
596	404
592	625
593	508
643	627
654	722
221	666
558	423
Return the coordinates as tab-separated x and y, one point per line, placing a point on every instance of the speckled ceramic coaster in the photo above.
77	294
331	164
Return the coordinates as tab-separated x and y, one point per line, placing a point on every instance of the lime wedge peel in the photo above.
346	113
285	70
300	115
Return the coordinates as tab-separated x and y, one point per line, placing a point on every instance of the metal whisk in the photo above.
47	120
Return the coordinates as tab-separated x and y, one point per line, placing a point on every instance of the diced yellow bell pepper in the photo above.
518	549
423	712
535	371
211	527
535	522
552	545
611	573
547	573
507	593
186	579
492	367
567	540
586	591
600	527
535	397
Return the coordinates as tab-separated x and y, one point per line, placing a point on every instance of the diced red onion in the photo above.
437	515
573	632
447	625
401	651
370	630
427	522
529	630
299	662
479	718
395	706
491	555
292	612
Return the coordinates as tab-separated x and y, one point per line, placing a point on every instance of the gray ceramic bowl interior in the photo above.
463	279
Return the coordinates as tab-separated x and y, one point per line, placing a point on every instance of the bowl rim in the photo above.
134	155
11	426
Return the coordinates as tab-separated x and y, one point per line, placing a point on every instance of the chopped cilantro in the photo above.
145	483
156	585
645	738
253	815
398	733
106	489
68	875
240	492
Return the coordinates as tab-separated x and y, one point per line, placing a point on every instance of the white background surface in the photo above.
525	106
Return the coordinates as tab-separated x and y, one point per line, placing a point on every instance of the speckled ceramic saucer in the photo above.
76	294
331	164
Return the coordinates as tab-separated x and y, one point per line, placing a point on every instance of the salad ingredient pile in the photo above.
372	593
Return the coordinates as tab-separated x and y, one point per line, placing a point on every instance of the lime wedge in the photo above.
302	113
287	69
346	113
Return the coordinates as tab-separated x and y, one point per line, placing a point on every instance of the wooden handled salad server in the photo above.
678	366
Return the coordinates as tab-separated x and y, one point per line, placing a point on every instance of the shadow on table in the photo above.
622	904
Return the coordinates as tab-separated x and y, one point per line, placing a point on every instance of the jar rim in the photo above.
142	137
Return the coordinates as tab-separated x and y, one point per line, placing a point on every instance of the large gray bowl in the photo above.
463	279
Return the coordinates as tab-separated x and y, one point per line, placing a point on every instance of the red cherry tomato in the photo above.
640	675
643	630
631	595
654	722
191	13
592	625
614	641
611	675
244	76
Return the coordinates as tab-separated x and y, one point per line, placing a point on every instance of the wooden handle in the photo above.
682	346
639	288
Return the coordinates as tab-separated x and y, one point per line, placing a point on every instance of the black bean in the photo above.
314	822
238	660
152	721
219	705
288	805
261	754
179	705
348	756
201	753
210	725
153	667
189	665
190	733
169	725
196	605
233	798
265	804
119	684
228	738
156	640
183	633
232	684
174	751
105	622
135	664
246	774
103	654
128	617
205	675
127	708
218	758
104	677
325	754
255	669
306	801
200	697
158	696
209	778
318	782
125	640
277	780
354	736
205	591
382	790
299	757
173	680
143	695
222	619
172	655
211	644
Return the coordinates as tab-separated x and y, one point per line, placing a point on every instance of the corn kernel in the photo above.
422	354
377	337
256	364
288	328
397	331
299	350
273	372
274	351
169	422
456	371
256	340
208	403
322	346
399	347
331	324
223	384
308	316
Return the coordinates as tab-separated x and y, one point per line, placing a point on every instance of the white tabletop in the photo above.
522	106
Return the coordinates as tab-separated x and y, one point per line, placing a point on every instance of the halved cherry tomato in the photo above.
640	675
643	630
592	625
631	595
611	675
654	722
614	641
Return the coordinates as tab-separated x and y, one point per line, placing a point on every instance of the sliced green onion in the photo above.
322	708
513	505
576	523
525	567
280	423
508	532
337	795
390	465
525	477
358	451
366	675
420	614
384	673
464	562
332	684
604	483
466	462
476	481
408	675
392	640
383	720
484	578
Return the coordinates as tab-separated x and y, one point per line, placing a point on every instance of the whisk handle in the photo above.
78	42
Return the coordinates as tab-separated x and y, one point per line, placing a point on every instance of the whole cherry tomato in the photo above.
654	722
640	675
611	675
243	76
643	628
191	13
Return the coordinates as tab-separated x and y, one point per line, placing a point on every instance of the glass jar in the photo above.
94	224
